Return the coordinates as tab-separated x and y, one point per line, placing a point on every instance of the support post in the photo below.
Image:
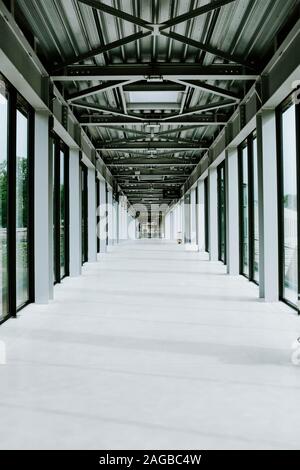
268	206
201	215
43	208
75	213
92	217
213	214
232	212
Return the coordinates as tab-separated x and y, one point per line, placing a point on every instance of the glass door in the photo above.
222	212
288	203
4	308
84	213
61	210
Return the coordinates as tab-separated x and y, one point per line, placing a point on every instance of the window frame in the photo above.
281	109
222	259
60	146
15	102
84	213
248	143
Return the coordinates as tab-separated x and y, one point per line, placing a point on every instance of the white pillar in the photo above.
268	206
168	226
201	215
92	231
75	213
193	219
171	225
213	214
102	214
43	208
110	218
232	212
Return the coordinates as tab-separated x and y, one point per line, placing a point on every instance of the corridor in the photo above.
153	347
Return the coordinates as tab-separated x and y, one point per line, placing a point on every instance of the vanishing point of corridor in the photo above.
153	347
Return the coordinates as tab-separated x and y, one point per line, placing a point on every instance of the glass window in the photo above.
60	210
222	212
245	212
3	201
289	206
84	214
62	216
255	214
22	211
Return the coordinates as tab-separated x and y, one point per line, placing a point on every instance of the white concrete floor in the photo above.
153	348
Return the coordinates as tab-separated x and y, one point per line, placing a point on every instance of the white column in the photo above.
171	225
43	209
193	218
268	206
110	218
232	212
213	214
102	213
168	226
201	215
92	232
75	213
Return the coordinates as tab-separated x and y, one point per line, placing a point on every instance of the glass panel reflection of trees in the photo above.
290	218
3	201
22	264
255	214
245	211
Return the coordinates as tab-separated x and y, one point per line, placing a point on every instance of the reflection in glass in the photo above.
289	164
84	215
255	214
22	211
3	202
222	214
62	216
245	209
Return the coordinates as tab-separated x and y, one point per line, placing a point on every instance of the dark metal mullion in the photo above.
67	211
57	210
98	212
31	192
225	214
241	205
251	207
298	195
11	216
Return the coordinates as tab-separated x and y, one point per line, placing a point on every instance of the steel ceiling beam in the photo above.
96	89
161	86
140	185
176	130
118	13
150	162
101	50
155	172
194	13
98	107
146	136
204	108
167	71
153	106
112	121
148	155
151	145
206	48
211	89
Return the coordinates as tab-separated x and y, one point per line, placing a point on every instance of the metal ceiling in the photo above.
99	52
